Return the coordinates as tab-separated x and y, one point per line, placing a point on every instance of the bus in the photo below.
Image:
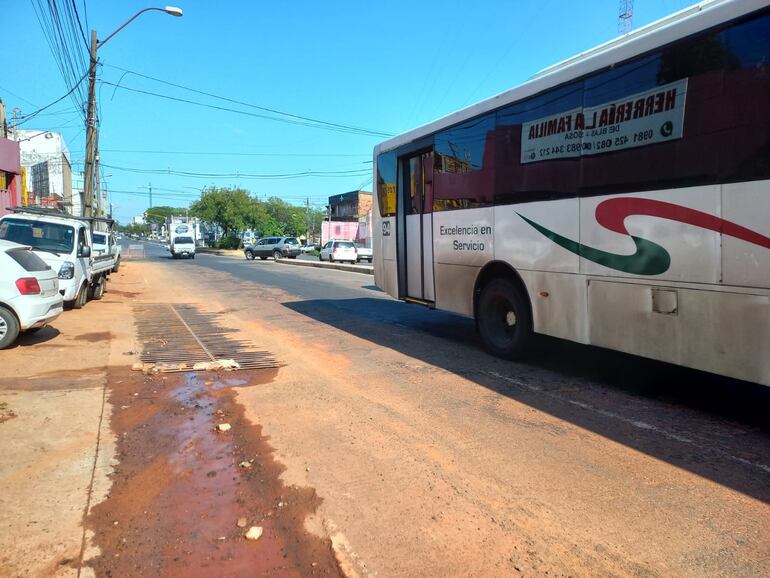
620	199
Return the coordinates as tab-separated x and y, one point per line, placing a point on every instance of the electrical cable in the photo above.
38	111
325	126
263	108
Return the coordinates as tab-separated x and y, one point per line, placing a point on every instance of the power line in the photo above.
331	125
245	113
236	154
71	90
238	175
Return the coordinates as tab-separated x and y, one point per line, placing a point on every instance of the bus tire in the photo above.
504	319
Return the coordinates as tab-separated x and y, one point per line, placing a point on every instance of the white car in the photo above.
339	251
29	292
106	242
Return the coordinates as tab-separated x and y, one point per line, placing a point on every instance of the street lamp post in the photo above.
88	185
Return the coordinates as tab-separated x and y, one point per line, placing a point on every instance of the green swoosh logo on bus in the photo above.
649	258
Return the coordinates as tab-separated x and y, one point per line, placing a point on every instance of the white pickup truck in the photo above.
105	242
65	243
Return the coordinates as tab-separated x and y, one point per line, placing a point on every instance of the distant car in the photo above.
307	248
275	247
339	251
182	246
105	242
29	292
364	253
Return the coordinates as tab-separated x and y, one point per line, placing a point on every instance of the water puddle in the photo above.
184	493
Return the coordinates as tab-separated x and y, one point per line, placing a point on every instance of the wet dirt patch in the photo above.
95	336
122	293
184	494
6	412
56	380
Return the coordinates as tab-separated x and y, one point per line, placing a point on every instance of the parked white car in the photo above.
338	251
106	243
29	292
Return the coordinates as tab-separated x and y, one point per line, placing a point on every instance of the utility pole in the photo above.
88	185
307	221
98	208
149	187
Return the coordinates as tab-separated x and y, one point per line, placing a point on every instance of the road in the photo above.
382	441
614	454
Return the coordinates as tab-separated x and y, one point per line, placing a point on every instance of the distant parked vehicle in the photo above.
364	253
275	247
339	251
29	292
106	243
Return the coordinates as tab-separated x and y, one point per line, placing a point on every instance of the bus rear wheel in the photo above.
504	319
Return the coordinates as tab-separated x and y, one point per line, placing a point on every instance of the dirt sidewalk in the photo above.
105	470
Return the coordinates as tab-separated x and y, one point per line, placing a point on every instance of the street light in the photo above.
88	185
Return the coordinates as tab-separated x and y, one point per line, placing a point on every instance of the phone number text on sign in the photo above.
641	119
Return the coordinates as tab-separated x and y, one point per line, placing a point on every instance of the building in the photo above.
10	168
46	158
349	217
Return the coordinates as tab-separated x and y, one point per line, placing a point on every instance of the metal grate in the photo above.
176	337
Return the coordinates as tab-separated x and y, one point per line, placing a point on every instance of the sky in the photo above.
365	70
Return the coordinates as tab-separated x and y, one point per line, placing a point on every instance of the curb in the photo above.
365	269
210	251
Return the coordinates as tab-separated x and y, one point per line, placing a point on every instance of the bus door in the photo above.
416	250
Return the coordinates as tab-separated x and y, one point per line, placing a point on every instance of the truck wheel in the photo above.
99	288
81	298
277	255
117	266
504	319
9	328
249	256
192	256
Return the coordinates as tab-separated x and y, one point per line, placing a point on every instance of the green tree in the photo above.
232	209
262	222
158	215
291	219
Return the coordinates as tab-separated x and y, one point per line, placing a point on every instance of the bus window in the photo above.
464	165
386	184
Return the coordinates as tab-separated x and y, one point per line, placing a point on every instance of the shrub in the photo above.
228	243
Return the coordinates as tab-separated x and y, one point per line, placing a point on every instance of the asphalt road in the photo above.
702	428
721	417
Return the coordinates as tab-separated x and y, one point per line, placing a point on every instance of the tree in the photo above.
292	220
158	215
262	222
232	209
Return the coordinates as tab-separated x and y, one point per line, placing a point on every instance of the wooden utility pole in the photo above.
88	184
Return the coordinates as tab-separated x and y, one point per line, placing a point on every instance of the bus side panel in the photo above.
384	254
558	304
724	333
463	242
743	263
674	246
520	244
454	287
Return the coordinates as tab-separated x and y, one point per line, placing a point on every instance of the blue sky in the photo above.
386	67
